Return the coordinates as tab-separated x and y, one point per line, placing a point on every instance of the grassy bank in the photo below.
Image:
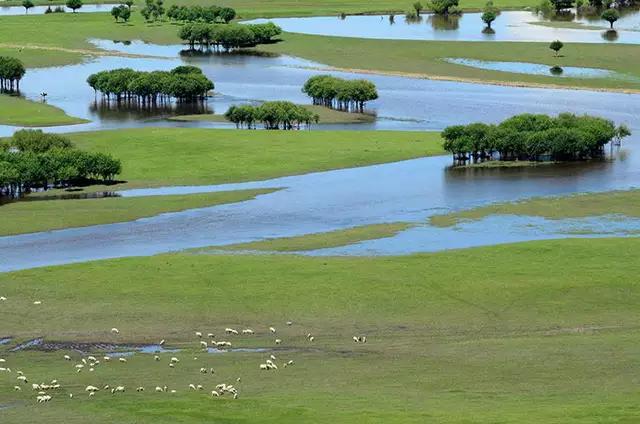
541	332
323	240
326	116
154	157
625	203
34	216
425	59
22	112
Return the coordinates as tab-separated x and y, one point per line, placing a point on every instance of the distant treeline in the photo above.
11	72
531	137
32	160
184	83
208	14
273	115
338	93
228	37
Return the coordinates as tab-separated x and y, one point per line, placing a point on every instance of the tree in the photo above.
227	14
417	6
74	4
128	3
27	4
556	46
488	17
443	7
11	72
611	16
561	5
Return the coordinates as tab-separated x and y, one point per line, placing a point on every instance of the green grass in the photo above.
326	116
34	216
425	59
154	157
524	333
22	112
570	25
322	240
625	203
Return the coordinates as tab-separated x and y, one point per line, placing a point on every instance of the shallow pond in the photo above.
404	103
39	10
410	191
538	69
509	26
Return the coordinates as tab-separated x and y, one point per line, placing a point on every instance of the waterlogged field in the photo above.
529	336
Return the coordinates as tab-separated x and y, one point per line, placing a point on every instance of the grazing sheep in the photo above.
91	394
84	361
278	341
3	360
247	331
211	335
107	358
2	298
161	342
203	370
91	389
238	379
106	387
363	339
192	386
203	344
264	367
199	387
273	330
272	357
115	330
92	358
356	339
67	357
215	394
70	395
91	369
159	389
156	357
311	338
140	389
173	391
23	379
35	386
211	370
175	360
123	360
17	388
289	323
37	302
172	365
198	334
5	369
235	395
119	389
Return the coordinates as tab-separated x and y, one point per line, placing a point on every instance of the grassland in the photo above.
540	332
22	112
326	116
275	8
425	59
67	34
626	203
46	215
154	157
323	240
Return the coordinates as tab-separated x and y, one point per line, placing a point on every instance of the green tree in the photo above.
611	16
227	14
27	4
417	6
561	5
128	3
74	5
488	17
443	7
556	46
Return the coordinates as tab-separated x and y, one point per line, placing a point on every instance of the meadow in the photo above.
22	112
527	336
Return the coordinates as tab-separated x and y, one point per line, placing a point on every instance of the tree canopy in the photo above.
273	115
227	37
184	83
11	72
121	12
444	7
74	4
611	16
196	13
338	93
32	159
533	137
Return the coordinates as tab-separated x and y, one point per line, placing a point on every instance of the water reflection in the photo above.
129	111
509	26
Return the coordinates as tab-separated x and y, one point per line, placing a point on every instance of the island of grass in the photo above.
319	241
18	111
325	116
623	203
537	332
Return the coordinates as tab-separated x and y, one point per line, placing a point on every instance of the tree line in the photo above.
228	37
32	159
207	14
338	93
11	72
273	116
566	137
183	83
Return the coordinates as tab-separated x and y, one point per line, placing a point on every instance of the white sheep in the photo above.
272	357
107	358
211	335
215	394
203	344
175	360
273	330
2	298
23	379
198	334
37	302
91	358
156	357
264	367
67	357
278	341
161	342
91	389
199	387
123	360
17	388
115	330
159	389
311	338
192	386
140	389
203	370
172	365
289	323
247	331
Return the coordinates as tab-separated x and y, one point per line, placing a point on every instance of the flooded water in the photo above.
39	10
509	26
404	191
537	69
404	103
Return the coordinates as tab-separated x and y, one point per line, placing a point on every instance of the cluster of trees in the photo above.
71	4
208	14
184	83
439	7
121	12
153	10
11	72
489	14
533	137
338	93
273	115
228	37
32	159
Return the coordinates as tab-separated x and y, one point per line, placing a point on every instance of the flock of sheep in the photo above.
45	390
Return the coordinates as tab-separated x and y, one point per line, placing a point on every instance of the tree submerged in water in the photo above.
273	115
567	137
11	72
338	93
